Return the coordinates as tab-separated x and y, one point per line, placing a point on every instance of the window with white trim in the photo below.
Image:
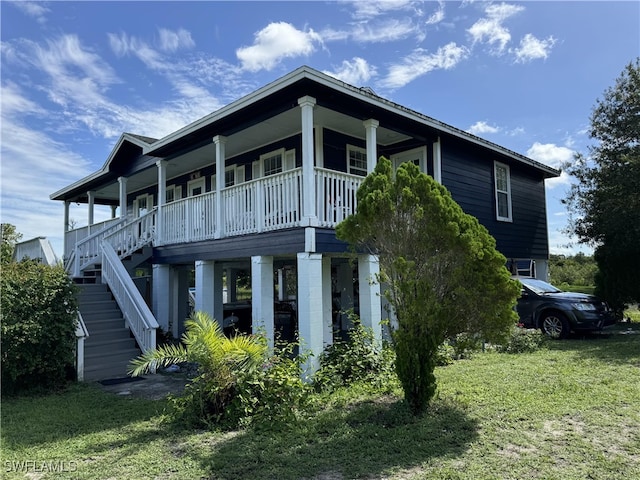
356	160
142	204
502	182
272	162
172	193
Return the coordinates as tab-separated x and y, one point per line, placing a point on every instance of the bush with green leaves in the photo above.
523	340
39	314
238	380
361	357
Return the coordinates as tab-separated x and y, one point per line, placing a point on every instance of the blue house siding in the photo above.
468	174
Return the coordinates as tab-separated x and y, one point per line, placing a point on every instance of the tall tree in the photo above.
443	272
9	239
605	203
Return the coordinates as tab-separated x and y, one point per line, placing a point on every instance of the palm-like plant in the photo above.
205	344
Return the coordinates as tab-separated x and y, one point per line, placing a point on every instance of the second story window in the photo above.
357	160
502	178
272	162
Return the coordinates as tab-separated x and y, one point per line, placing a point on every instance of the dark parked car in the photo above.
556	313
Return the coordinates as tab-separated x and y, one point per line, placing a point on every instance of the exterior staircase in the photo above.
110	346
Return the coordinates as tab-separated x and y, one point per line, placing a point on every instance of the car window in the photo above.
538	286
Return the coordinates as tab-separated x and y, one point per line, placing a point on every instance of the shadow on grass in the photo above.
368	439
81	409
617	344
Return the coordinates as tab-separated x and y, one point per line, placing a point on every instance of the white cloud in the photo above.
419	63
36	10
532	48
373	8
171	41
389	30
554	156
275	42
491	30
438	15
356	72
482	127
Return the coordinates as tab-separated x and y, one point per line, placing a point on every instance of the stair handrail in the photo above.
70	263
87	250
135	234
81	334
137	314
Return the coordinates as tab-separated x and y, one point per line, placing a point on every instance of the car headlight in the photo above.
585	307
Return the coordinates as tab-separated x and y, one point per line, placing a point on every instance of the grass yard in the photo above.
569	411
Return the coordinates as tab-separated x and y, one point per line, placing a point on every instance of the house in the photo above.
254	191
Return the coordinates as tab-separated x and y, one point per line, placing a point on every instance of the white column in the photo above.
282	287
91	195
66	227
162	199
220	142
309	217
310	306
372	148
542	269
123	196
162	297
262	297
370	306
437	161
327	302
204	287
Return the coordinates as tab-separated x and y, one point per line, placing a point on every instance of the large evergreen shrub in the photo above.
38	326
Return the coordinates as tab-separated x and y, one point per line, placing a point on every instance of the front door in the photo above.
417	156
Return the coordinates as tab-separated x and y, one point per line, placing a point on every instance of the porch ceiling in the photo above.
270	130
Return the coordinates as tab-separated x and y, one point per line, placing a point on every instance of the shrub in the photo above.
38	326
523	340
359	358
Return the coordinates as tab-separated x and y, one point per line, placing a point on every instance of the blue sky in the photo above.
75	75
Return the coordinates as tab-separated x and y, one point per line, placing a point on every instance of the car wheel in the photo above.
554	325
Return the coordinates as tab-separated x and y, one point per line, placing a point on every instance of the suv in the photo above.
556	313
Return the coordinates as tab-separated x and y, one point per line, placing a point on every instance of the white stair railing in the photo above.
81	334
87	251
137	315
134	235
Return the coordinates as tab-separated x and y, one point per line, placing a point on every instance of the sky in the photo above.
76	75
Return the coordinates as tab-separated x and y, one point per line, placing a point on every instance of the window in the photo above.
357	160
229	177
172	194
142	204
195	187
272	162
503	192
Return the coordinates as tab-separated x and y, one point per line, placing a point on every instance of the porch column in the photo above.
309	217
372	148
327	303
162	199
123	196
282	286
310	306
161	304
113	212
262	297
66	227
232	280
209	289
437	161
370	306
91	195
220	142
180	300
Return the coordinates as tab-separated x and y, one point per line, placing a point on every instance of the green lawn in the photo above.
570	411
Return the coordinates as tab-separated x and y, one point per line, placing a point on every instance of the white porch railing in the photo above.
72	237
335	196
189	220
136	313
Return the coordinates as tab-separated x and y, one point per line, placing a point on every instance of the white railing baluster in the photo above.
336	195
